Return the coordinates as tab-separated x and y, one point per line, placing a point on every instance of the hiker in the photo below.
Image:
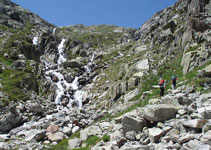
162	85
173	81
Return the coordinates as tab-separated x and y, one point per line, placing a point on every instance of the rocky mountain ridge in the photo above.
48	72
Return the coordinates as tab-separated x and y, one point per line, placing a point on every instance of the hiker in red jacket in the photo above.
162	85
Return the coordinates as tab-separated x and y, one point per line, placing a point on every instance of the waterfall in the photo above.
54	30
67	95
35	40
61	58
88	67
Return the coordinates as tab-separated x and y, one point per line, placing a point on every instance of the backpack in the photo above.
161	82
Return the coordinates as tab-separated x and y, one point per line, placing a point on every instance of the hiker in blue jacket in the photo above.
173	81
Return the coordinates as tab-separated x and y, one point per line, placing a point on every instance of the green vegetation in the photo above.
60	146
106	138
116	71
64	144
94	36
92	140
11	81
192	79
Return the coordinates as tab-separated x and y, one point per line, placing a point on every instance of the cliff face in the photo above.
14	16
47	73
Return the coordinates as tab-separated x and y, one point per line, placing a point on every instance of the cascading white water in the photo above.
89	65
54	30
63	86
61	58
35	40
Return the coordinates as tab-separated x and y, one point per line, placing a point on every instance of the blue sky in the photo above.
125	13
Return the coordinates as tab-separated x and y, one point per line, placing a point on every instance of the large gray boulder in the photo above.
130	123
195	123
159	112
36	109
10	121
72	64
117	90
131	95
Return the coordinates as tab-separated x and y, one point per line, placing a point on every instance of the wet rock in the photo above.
72	64
68	78
64	100
159	112
82	81
54	78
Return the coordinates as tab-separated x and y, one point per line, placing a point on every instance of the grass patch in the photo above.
11	81
92	140
94	36
63	145
106	138
166	71
5	61
192	79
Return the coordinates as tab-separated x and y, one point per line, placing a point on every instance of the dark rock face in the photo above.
10	121
14	16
